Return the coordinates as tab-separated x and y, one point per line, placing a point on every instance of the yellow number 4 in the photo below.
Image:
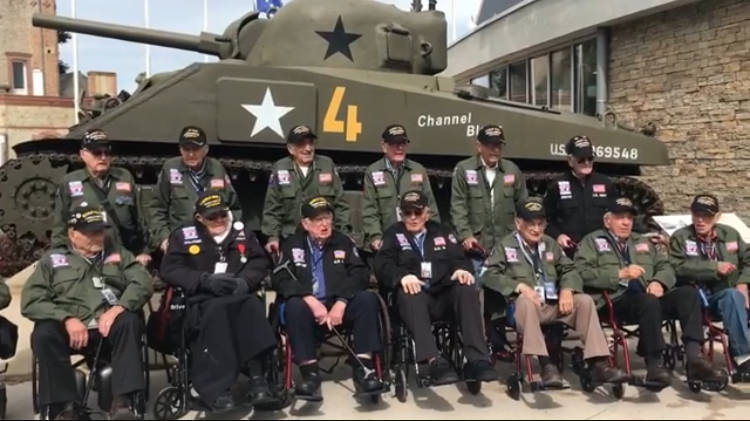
352	127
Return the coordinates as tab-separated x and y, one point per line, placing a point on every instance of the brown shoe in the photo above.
551	378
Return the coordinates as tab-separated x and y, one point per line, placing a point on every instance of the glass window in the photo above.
586	77
561	80
19	75
499	82
483	80
518	82
540	80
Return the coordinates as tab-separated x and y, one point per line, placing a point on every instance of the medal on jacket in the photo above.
241	249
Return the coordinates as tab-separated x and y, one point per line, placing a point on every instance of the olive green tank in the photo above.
347	68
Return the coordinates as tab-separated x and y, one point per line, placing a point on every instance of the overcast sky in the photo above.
128	59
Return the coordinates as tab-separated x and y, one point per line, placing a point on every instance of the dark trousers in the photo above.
649	312
361	316
228	332
50	343
459	303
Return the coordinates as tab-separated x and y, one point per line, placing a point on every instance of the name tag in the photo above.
221	267
691	248
426	270
511	255
472	178
283	176
540	293
550	290
378	178
110	296
417	178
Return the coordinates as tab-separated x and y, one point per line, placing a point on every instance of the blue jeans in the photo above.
729	304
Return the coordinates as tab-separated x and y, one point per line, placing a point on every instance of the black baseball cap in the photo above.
580	147
705	203
94	140
210	203
395	133
491	134
300	133
413	200
530	209
316	206
192	136
622	205
88	219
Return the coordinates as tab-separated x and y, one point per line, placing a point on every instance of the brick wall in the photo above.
688	71
25	118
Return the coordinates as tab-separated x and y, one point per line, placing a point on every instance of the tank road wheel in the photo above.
27	191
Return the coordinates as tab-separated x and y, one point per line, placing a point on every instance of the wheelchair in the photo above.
405	364
337	345
99	379
522	379
673	351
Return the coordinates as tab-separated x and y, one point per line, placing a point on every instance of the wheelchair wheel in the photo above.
694	386
618	390
669	358
169	404
400	384
513	387
474	387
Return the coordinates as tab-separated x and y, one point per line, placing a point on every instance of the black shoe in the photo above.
701	370
744	368
366	382
67	411
479	370
441	372
601	372
126	407
551	378
659	375
223	403
309	386
258	392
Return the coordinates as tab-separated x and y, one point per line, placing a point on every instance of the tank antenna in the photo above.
416	5
433	4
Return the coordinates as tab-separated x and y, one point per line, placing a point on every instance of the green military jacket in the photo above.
382	195
288	190
598	261
692	265
471	208
64	284
508	267
174	199
119	199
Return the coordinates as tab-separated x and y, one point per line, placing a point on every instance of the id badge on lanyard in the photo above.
426	270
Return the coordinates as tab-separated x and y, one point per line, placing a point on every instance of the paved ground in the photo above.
454	402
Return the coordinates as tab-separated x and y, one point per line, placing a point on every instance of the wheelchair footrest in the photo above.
380	391
638	381
309	398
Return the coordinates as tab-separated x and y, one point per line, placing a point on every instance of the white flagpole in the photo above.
76	88
205	25
147	19
453	20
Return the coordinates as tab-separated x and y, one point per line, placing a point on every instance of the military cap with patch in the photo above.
705	203
192	136
530	209
395	133
210	203
95	140
316	206
580	147
622	205
88	219
491	134
300	133
413	200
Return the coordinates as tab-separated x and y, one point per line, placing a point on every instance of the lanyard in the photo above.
534	259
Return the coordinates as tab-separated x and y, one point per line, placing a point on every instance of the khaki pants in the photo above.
584	319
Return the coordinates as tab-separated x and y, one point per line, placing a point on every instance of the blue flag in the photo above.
267	6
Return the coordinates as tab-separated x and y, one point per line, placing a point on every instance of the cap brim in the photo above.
318	211
397	139
493	140
624	210
192	143
300	138
698	208
583	153
530	216
213	211
91	228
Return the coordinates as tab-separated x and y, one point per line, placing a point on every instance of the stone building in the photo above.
681	67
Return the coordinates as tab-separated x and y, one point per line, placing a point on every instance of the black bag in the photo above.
8	338
164	327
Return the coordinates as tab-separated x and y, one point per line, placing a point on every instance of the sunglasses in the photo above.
587	159
217	216
100	152
412	212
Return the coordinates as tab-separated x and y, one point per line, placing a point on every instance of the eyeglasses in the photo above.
587	159
413	213
217	216
100	152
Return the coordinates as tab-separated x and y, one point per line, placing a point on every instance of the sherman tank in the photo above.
347	68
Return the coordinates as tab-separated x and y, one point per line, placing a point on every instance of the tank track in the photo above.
27	187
